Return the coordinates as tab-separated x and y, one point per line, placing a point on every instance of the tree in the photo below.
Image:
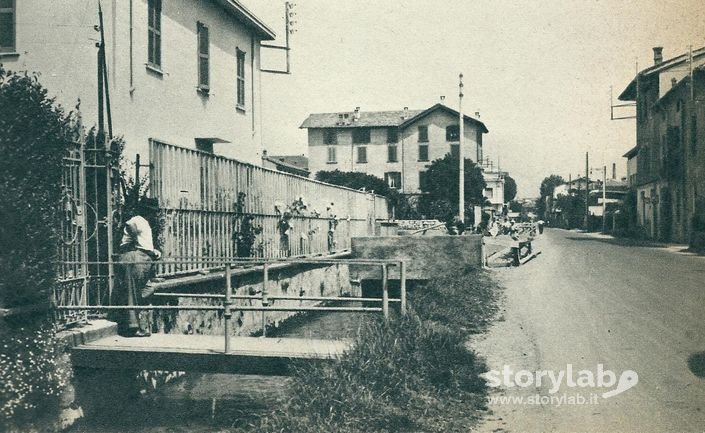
403	208
548	185
440	199
354	180
510	188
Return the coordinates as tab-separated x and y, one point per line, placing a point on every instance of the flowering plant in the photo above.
33	376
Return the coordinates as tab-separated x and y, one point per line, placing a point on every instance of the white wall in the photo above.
407	149
57	39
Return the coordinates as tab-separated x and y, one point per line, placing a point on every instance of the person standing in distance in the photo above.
136	254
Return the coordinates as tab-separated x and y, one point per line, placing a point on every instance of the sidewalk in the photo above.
676	248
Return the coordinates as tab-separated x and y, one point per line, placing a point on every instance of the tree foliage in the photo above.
34	134
403	207
441	190
510	188
548	185
354	180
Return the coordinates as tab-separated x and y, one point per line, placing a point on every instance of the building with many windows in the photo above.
178	71
397	146
669	173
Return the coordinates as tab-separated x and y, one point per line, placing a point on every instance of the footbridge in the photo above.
228	353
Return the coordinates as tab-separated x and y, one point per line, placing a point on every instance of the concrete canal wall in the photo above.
284	280
423	255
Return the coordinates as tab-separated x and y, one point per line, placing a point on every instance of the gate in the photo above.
89	197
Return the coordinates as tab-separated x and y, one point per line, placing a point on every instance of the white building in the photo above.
397	146
179	71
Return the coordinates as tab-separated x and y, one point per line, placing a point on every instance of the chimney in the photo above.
658	55
443	99
477	114
614	171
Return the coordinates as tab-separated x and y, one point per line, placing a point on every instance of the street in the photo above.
587	301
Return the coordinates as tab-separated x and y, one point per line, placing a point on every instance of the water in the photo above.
210	403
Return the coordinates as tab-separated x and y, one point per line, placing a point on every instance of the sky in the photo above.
539	72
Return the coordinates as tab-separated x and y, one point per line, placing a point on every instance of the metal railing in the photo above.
266	300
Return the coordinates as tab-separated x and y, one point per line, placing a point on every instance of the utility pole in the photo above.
587	190
461	158
604	198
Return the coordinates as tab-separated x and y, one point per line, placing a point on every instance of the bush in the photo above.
32	377
34	134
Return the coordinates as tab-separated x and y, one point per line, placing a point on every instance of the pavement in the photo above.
599	306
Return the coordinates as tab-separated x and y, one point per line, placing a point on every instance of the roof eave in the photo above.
631	152
248	18
439	105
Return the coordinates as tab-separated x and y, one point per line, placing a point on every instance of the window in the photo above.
361	154
392	153
154	33
393	179
423	152
330	136
204	145
452	133
455	151
203	58
331	155
361	135
489	193
423	180
7	26
392	135
423	134
240	78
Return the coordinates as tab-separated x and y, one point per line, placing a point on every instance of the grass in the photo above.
413	374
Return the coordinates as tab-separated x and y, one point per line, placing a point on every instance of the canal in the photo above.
208	403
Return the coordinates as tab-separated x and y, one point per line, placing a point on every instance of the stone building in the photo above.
669	152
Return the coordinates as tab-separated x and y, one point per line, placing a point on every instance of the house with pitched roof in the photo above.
669	173
397	146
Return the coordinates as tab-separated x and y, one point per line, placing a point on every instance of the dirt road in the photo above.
589	302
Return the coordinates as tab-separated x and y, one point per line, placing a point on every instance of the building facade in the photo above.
670	122
181	72
397	146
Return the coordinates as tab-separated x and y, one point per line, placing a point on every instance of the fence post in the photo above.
265	299
402	280
385	293
227	314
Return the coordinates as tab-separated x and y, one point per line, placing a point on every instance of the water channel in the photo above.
210	403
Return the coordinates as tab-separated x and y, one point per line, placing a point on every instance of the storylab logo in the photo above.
600	381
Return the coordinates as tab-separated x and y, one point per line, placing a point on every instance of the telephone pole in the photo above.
461	158
587	191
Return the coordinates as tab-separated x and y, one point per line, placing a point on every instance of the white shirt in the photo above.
139	234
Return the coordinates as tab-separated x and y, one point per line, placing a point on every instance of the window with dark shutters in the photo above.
7	26
154	33
203	58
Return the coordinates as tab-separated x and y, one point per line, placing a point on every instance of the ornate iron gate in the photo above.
90	195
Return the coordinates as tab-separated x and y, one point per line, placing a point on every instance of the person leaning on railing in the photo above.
136	254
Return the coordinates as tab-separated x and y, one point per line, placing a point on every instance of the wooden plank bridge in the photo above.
204	353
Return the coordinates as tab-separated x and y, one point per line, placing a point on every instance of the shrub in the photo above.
34	133
32	377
